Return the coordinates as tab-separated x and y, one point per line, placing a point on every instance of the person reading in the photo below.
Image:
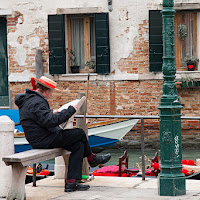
42	130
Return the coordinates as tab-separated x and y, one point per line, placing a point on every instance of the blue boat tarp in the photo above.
14	116
96	141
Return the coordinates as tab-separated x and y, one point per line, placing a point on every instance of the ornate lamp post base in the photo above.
171	186
171	180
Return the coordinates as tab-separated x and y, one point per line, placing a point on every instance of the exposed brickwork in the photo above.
13	20
112	98
131	98
14	66
138	60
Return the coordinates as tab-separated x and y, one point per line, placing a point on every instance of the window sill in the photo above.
193	74
123	77
77	77
111	77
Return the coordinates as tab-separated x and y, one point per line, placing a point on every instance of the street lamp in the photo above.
171	181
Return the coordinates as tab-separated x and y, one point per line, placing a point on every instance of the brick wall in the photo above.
128	98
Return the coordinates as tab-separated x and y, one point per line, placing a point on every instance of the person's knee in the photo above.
82	133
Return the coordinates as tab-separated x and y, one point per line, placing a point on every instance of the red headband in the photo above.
42	82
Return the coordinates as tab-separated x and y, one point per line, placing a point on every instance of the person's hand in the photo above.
75	106
55	111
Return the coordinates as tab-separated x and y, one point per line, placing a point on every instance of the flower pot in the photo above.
75	69
178	84
91	70
191	66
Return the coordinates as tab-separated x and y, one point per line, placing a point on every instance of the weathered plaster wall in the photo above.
24	37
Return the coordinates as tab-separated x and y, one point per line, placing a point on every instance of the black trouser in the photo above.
73	140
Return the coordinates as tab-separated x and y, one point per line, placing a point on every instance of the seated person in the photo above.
41	128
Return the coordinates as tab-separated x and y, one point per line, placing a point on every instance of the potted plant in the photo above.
91	65
74	65
187	81
191	62
182	31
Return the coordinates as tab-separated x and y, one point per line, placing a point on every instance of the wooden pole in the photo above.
10	100
38	63
81	123
85	109
34	175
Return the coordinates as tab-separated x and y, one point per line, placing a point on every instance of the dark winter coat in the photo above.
39	123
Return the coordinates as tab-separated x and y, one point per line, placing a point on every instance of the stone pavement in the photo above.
108	188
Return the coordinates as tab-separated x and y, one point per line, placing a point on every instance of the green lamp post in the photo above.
171	181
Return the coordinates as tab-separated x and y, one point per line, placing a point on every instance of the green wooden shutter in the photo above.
57	53
102	43
155	41
4	98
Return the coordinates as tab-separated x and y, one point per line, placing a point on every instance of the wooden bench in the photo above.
20	163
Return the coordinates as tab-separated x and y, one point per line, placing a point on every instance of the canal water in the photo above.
135	155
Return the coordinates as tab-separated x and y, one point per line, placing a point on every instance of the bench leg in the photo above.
17	190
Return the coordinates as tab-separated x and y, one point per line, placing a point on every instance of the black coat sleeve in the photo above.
45	117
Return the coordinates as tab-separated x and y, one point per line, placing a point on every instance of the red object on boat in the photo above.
113	170
156	166
186	172
184	162
44	172
191	162
124	175
109	169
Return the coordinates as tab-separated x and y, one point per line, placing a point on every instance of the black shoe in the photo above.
99	159
70	187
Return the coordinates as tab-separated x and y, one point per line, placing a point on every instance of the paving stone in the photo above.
108	188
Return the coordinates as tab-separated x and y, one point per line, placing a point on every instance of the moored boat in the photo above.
105	134
101	134
20	142
118	170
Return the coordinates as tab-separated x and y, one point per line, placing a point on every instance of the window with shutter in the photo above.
4	98
183	47
87	43
102	43
155	41
57	53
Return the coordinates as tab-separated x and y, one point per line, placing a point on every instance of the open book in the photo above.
69	123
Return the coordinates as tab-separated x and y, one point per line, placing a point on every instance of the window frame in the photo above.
102	41
178	42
